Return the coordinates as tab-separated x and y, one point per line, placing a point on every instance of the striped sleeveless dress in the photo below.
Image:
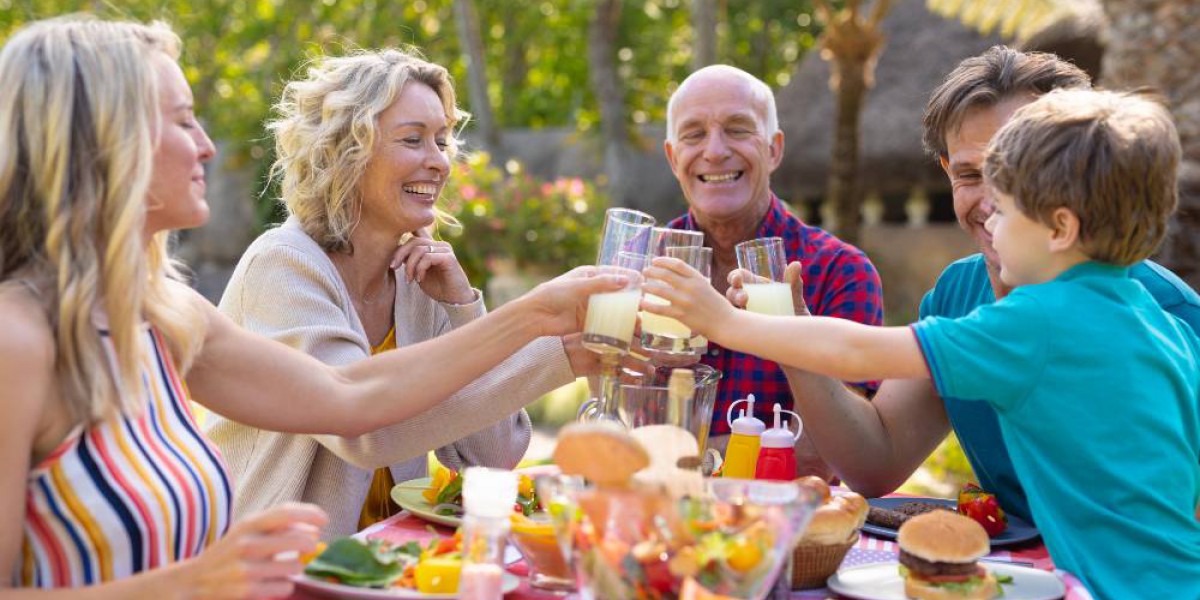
127	494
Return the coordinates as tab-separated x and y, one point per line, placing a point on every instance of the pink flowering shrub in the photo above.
548	226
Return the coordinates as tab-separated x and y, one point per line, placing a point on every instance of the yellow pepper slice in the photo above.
438	575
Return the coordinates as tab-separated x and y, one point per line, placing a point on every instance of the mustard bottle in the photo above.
741	455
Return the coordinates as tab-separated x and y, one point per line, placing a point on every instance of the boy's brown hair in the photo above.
1111	158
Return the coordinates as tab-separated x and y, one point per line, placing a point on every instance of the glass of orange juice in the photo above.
534	537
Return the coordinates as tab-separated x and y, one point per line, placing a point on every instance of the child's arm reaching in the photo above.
843	349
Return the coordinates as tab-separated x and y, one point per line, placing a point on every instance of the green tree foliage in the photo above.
239	52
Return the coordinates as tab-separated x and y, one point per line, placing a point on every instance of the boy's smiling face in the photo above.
1022	244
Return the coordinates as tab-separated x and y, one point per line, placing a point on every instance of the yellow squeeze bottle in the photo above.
741	455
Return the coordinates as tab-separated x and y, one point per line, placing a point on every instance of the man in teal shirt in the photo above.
874	446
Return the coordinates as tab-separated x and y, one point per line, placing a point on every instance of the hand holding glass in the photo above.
664	333
768	292
612	316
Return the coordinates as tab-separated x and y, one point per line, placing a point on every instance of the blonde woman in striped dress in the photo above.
105	480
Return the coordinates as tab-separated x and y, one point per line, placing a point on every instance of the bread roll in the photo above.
816	484
603	453
837	520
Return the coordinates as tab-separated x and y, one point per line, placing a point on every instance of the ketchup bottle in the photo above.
777	457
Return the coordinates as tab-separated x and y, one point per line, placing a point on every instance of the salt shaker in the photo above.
488	497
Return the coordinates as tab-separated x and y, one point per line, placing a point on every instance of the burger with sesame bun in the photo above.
938	551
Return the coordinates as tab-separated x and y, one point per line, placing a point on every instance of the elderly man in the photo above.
723	143
875	446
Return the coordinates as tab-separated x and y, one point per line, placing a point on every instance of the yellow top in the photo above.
378	504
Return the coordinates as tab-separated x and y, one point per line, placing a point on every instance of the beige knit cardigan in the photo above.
286	288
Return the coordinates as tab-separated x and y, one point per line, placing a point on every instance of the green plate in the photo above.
408	495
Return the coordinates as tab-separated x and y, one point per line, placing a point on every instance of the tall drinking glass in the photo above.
609	325
625	230
612	316
662	238
664	334
767	293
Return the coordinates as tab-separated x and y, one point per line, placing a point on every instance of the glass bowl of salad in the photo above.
642	545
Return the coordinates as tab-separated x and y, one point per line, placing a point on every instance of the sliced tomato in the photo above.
445	546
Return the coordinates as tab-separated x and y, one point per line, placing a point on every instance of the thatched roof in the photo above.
921	48
1077	36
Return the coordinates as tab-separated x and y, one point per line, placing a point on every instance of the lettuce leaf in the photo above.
370	564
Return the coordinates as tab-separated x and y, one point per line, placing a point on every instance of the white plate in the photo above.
881	581
338	590
408	495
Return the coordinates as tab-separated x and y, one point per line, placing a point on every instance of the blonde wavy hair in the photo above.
79	116
327	129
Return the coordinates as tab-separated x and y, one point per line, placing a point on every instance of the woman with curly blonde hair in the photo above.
105	479
364	146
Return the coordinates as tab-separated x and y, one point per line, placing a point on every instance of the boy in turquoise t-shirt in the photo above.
1096	388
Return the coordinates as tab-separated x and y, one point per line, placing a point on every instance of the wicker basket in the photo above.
812	564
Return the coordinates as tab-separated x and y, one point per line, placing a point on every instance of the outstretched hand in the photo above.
793	275
259	555
694	301
560	305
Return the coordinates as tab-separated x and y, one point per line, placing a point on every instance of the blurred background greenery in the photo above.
512	222
238	53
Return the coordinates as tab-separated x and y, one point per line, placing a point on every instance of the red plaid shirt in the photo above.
839	281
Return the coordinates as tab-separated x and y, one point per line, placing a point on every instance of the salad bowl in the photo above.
732	540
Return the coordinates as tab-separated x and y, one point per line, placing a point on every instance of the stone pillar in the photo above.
829	221
872	209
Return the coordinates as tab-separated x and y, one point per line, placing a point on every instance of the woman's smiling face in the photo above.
176	196
410	163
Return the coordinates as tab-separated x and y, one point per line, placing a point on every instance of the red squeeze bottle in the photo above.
777	456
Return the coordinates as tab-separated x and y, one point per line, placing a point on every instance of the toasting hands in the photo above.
793	275
693	301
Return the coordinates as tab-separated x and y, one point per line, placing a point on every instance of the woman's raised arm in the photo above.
268	385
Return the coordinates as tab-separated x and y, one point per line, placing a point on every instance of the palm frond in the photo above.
1018	19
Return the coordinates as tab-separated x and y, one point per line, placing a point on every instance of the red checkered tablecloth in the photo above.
405	527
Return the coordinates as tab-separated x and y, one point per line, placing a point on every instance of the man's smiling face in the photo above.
720	150
964	165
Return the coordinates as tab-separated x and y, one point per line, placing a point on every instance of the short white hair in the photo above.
758	89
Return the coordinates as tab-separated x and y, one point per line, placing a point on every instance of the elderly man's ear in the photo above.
669	152
775	150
